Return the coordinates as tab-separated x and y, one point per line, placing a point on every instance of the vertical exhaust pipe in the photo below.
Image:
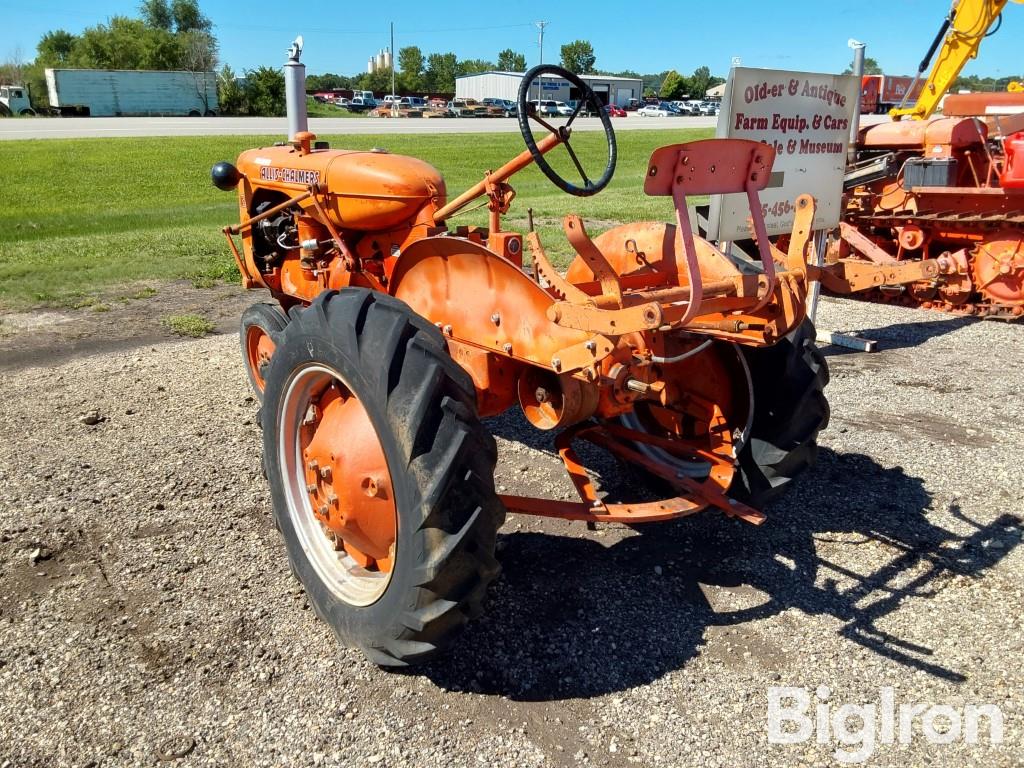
295	90
858	72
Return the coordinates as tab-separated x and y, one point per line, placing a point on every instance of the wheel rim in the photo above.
658	422
259	348
338	489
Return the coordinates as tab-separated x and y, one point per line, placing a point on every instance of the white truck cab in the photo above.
14	101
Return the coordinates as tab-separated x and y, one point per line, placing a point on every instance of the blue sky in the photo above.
647	37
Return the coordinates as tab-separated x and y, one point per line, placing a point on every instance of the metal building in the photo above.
505	85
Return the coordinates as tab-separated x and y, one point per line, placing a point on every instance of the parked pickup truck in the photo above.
466	108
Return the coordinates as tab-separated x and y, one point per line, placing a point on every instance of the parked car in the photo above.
508	107
657	110
613	111
545	107
360	104
710	108
684	108
466	108
412	103
340	102
367	98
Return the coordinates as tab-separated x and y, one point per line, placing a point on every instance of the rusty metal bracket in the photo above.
863	245
592	508
592	257
545	269
614	322
853	275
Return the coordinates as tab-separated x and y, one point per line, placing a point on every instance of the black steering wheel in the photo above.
527	111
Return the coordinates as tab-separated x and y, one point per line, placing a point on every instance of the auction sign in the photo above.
806	117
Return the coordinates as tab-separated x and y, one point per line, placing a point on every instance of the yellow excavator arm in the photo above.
960	36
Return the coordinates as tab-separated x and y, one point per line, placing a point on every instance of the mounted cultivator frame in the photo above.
393	334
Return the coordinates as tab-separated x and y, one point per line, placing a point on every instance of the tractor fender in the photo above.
481	299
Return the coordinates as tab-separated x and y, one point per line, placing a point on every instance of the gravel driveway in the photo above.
147	613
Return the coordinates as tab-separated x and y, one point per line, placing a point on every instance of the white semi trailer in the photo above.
131	92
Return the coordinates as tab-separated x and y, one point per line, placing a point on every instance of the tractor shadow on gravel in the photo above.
583	616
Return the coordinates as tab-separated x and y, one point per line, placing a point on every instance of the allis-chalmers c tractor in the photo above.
392	335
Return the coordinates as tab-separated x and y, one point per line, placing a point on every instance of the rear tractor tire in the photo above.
381	474
259	333
790	409
784	384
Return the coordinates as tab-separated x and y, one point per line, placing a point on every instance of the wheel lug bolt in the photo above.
325	473
332	499
311	488
323	510
313	465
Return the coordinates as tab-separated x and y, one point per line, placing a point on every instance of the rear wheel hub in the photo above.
341	496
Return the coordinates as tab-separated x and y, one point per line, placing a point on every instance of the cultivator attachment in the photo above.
622	298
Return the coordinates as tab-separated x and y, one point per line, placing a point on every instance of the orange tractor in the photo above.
393	334
944	197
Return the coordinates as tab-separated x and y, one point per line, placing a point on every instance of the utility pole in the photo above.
394	102
540	42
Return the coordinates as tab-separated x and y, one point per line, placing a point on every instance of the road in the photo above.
95	127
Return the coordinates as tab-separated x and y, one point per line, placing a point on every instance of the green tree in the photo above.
510	61
469	66
187	17
578	56
264	92
870	67
157	14
230	93
126	44
379	81
700	81
55	48
441	71
672	87
328	82
411	64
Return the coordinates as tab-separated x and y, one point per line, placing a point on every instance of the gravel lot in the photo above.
147	613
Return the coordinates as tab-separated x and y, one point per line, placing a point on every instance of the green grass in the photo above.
81	216
316	109
195	326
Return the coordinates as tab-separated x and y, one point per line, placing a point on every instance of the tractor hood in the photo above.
364	190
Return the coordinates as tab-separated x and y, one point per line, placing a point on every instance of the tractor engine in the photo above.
326	219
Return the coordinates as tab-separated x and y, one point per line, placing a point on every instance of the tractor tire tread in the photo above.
790	410
448	463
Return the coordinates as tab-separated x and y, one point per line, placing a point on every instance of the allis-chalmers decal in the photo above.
289	175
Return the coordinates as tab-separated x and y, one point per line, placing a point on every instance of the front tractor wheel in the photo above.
381	474
259	333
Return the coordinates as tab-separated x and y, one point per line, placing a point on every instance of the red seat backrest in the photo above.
710	167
